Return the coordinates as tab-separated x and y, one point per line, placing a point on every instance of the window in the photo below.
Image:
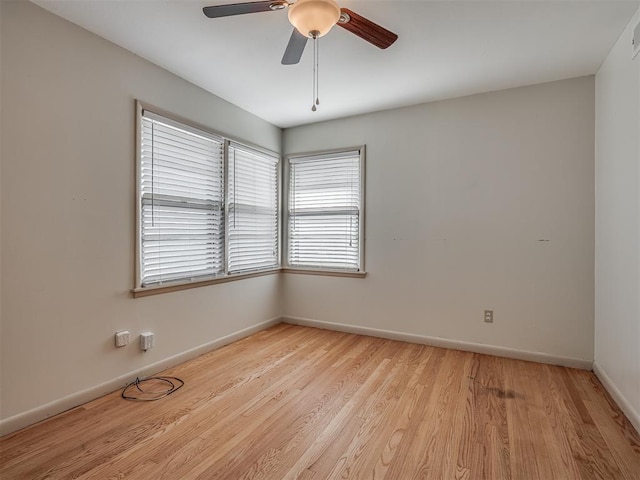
195	222
325	211
182	210
253	210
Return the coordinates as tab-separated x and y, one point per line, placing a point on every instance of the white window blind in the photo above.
253	210
181	195
325	195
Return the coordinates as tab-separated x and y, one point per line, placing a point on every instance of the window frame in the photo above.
286	267
225	276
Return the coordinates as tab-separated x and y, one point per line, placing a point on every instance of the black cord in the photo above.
150	396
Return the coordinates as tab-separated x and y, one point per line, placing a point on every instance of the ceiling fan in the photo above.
311	19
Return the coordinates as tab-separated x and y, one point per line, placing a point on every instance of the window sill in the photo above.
174	287
328	273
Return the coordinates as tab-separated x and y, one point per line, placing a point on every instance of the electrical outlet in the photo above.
488	316
122	338
146	341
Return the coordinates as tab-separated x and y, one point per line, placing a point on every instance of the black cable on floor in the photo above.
136	391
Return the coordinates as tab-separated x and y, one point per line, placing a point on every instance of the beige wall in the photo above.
483	202
617	312
68	181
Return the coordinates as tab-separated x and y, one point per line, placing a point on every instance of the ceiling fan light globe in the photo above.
314	16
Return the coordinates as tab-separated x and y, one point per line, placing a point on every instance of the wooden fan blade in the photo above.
367	30
228	10
295	47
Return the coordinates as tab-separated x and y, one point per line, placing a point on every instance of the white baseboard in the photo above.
24	419
43	412
446	343
620	399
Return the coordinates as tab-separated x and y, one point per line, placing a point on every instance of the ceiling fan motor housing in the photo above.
314	17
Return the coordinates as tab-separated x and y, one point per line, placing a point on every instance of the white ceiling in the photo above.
445	49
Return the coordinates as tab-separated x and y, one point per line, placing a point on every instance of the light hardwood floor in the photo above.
296	402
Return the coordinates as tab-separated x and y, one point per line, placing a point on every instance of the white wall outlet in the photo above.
122	338
488	316
146	341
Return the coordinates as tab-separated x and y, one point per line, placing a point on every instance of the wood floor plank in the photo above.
487	409
523	445
293	402
376	458
409	451
562	432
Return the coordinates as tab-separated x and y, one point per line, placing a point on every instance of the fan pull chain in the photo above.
314	100
315	73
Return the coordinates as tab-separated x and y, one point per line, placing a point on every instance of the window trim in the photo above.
284	234
139	290
168	287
